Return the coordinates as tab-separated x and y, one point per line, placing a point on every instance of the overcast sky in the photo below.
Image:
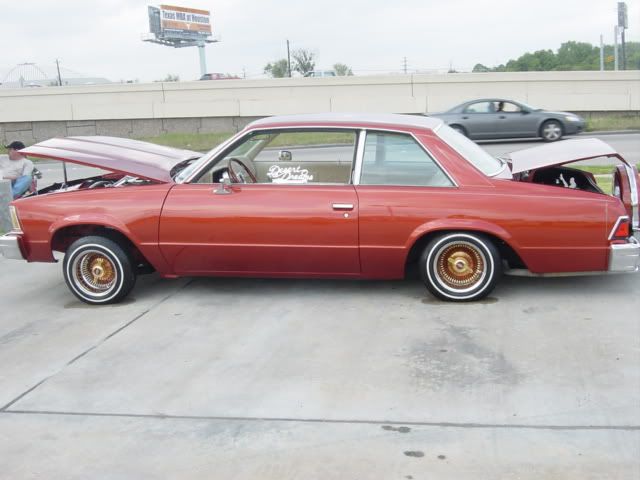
102	38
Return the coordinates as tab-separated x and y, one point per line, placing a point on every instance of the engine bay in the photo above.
110	180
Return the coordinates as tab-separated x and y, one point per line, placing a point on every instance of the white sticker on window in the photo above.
279	174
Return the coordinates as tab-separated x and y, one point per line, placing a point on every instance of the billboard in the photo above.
172	22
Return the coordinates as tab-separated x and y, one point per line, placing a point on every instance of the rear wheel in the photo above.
551	130
98	271
460	266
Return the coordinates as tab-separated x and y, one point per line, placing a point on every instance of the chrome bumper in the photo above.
625	258
10	247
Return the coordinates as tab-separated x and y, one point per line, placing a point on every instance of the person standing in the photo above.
17	168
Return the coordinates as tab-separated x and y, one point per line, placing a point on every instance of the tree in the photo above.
342	70
303	61
171	78
480	68
278	69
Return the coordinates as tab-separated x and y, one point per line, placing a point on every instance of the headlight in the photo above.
572	118
15	222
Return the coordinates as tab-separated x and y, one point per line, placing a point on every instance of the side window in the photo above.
290	157
309	156
511	107
397	159
480	107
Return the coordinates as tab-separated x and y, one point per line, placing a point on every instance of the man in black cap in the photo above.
17	168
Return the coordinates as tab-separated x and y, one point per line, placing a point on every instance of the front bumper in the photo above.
10	247
625	257
572	128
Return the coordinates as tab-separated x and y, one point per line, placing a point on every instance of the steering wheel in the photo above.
239	176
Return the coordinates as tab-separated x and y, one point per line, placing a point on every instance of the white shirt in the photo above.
15	168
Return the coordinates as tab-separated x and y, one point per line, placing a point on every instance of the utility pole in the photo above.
615	47
622	25
601	54
59	77
404	64
288	59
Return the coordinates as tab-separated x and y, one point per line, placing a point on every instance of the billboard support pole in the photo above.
203	59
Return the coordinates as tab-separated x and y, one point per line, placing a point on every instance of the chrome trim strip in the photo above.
357	172
615	226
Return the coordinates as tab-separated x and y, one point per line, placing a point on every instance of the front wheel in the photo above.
551	131
98	271
460	266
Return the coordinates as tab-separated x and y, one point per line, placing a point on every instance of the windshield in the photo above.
480	159
203	160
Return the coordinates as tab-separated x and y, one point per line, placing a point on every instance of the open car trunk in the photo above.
549	165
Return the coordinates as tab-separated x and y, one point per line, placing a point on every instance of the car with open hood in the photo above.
493	118
349	196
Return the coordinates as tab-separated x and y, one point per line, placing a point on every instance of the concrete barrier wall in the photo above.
226	105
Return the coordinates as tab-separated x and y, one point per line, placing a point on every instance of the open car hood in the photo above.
558	153
122	155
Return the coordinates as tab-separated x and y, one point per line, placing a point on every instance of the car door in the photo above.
513	121
479	119
288	223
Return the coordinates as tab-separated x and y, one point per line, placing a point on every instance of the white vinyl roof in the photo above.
351	118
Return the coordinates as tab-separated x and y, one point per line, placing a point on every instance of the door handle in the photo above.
343	206
502	116
465	117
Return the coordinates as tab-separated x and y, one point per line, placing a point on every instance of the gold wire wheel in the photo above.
95	272
460	265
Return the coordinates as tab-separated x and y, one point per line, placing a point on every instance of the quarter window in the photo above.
397	159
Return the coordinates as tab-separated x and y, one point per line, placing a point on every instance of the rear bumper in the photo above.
10	247
625	258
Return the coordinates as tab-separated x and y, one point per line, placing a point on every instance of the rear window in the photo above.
480	159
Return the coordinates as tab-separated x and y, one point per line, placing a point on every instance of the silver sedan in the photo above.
490	118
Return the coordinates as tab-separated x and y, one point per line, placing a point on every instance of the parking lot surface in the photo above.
274	379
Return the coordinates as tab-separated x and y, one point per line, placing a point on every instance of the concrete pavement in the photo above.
239	379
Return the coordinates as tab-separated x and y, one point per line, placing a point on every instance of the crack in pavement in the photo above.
93	347
514	426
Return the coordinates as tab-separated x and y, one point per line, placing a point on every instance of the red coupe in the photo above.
328	195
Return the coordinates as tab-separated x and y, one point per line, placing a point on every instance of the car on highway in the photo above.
219	76
350	196
493	118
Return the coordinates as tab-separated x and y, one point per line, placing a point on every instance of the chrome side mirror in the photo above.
224	187
285	156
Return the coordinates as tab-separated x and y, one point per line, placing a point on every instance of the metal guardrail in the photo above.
5	198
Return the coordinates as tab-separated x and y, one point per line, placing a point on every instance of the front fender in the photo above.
105	220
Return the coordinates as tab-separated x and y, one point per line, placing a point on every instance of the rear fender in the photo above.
461	224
